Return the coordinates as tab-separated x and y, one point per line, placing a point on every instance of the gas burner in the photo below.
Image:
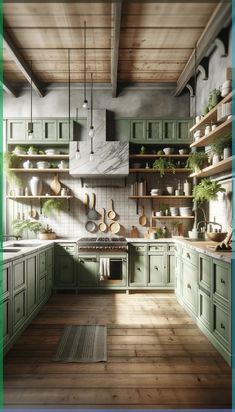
103	244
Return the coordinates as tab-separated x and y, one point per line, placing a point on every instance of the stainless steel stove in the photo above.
104	244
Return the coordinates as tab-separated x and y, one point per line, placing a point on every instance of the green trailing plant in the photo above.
19	225
162	164
10	160
207	190
52	206
196	161
222	143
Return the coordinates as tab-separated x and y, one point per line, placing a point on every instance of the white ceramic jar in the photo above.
35	186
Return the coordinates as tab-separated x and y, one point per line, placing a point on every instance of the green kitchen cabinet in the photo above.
178	276
19	309
205	268
50	268
63	131
169	131
37	131
42	288
222	326
154	131
190	286
157	270
138	131
32	279
122	130
222	282
170	270
88	271
205	308
49	130
6	302
65	276
182	131
19	274
16	130
137	266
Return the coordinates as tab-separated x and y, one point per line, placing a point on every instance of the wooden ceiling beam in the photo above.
8	88
219	19
117	14
10	46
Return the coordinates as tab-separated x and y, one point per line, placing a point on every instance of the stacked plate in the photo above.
174	211
156	192
185	211
43	165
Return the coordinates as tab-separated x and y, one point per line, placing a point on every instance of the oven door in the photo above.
116	275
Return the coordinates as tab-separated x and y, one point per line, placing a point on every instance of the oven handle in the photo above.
84	260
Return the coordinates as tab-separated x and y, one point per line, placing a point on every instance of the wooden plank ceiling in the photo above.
156	40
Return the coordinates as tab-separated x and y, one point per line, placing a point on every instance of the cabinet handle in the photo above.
189	286
138	269
155	267
18	310
222	326
222	281
188	255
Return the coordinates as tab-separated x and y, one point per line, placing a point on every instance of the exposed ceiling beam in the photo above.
117	14
9	45
8	88
219	19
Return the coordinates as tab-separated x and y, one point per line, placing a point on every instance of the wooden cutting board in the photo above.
55	185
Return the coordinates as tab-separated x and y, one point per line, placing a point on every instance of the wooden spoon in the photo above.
143	218
55	185
102	225
111	213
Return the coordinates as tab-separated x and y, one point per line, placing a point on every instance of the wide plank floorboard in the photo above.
157	358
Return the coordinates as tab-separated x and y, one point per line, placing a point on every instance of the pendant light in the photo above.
77	154
91	133
85	102
30	124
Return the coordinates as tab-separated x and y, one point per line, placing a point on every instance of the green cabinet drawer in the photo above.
6	280
137	248
169	130
157	248
49	133
154	131
190	256
31	270
190	287
37	131
222	325
16	130
88	271
65	275
65	249
19	309
42	288
222	281
7	321
138	131
156	264
171	248
137	276
205	310
42	263
205	271
19	278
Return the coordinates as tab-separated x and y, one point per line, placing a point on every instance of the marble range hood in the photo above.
111	158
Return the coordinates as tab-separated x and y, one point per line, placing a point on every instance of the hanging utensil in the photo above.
93	214
55	185
111	213
115	227
86	202
91	226
143	218
102	225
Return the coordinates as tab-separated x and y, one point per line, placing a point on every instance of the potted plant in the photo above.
215	97
32	150
164	209
222	146
52	206
18	150
162	163
207	190
44	233
196	161
142	150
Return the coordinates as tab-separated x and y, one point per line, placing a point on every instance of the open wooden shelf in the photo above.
212	115
154	156
223	166
206	140
43	156
172	217
36	170
39	197
145	170
161	197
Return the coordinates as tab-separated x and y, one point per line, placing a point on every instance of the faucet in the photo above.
206	223
11	236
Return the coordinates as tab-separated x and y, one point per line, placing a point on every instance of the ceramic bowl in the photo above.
156	192
182	151
168	150
50	152
43	165
216	236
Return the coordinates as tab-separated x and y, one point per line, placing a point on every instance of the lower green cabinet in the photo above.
65	275
137	265
32	279
205	309
6	320
190	286
88	269
157	271
222	325
19	309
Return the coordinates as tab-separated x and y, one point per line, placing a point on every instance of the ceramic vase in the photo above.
227	152
36	186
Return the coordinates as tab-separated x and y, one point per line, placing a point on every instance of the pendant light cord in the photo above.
195	81
69	89
31	94
91	100
84	61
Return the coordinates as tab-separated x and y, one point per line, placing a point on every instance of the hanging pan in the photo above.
115	227
102	225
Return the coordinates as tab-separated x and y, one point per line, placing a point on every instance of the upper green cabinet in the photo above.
37	130
169	130
16	130
49	130
138	130
154	131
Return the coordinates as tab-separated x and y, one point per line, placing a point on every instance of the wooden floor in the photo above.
157	358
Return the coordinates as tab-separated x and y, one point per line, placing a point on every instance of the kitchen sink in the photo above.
24	244
10	250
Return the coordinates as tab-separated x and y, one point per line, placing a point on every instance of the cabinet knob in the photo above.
188	255
222	326
138	269
189	286
222	281
155	267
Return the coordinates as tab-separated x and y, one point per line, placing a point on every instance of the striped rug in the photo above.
82	344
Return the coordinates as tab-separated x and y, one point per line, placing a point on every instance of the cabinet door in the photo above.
170	272
156	270
138	130
42	264
222	282
19	309
205	310
205	271
88	271
7	321
42	288
137	269
16	130
6	281
190	287
63	131
222	325
49	130
31	270
37	131
154	131
64	271
49	279
122	130
183	133
169	131
19	276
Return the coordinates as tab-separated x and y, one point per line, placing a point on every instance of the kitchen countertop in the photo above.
199	246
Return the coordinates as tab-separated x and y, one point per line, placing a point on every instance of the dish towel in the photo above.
104	268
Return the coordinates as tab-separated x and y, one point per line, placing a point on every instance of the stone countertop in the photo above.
204	247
